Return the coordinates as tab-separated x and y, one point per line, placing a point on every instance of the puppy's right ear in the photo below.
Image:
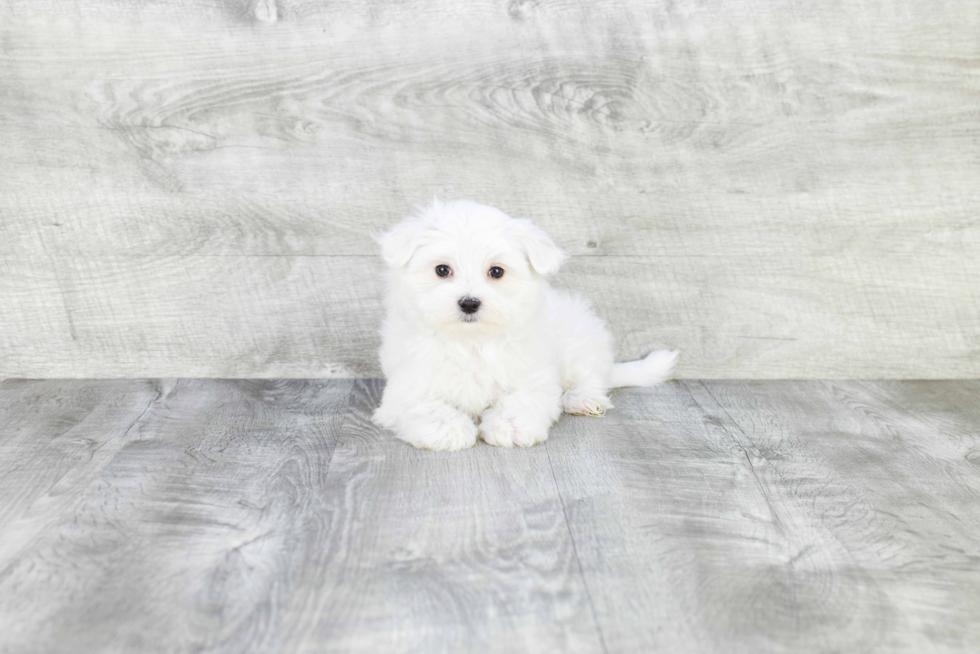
399	243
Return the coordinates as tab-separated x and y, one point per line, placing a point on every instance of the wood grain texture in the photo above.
272	516
790	516
689	545
55	440
890	485
428	553
192	538
189	188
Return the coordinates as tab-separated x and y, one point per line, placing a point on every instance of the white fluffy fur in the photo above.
505	373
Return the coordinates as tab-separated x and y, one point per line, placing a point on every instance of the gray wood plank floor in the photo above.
272	516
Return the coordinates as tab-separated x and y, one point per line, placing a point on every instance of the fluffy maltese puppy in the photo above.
477	344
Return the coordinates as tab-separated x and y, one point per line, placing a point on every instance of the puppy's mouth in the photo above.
468	317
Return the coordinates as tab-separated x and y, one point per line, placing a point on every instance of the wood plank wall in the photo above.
778	188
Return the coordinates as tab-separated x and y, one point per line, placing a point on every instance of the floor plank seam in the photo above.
745	452
739	428
162	394
772	466
343	425
578	561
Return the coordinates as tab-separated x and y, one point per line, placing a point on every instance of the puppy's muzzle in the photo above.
469	305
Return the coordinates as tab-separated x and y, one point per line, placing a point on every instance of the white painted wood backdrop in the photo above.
778	188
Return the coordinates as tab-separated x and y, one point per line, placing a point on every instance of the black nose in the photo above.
469	304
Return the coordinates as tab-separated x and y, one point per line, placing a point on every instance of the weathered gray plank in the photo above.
802	179
217	527
272	516
194	537
56	437
893	485
319	316
794	527
307	316
685	546
434	553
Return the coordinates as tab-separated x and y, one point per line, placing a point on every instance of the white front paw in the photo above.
446	430
507	431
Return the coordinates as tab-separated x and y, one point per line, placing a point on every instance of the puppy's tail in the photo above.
652	369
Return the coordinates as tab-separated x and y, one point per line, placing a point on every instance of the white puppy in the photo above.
476	343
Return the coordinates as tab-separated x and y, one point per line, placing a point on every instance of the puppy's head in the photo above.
466	268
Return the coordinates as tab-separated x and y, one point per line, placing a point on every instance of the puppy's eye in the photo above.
443	270
496	272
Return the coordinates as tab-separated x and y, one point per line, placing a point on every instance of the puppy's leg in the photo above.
428	425
587	398
585	355
521	419
584	378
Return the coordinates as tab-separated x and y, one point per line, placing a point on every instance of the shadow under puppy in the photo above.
476	342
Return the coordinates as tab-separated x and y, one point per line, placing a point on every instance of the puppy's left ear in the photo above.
545	257
399	243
